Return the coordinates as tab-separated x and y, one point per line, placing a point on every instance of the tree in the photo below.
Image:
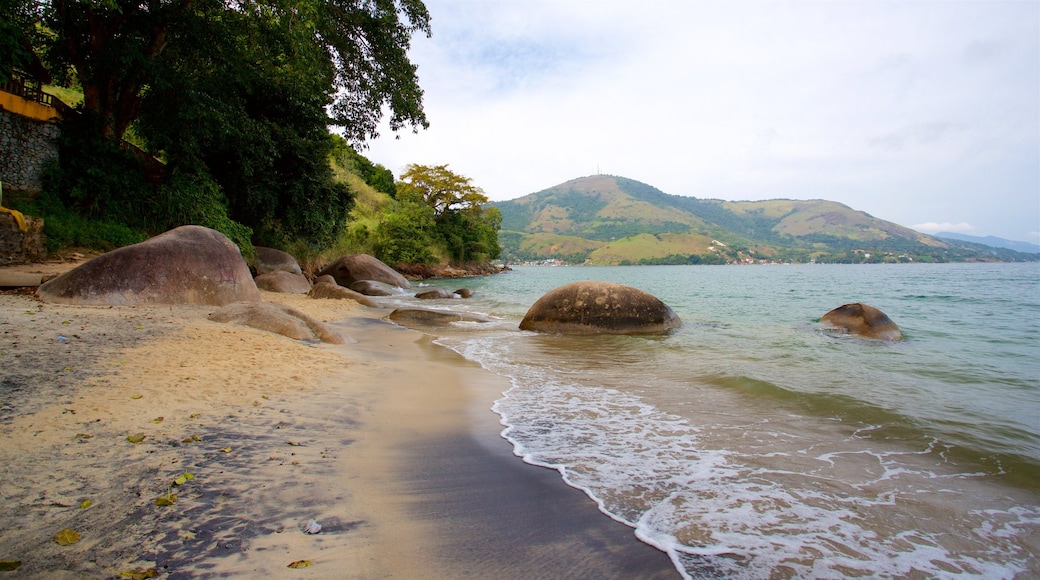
443	190
236	97
117	48
467	230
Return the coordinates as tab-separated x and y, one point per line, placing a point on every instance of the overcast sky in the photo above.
925	113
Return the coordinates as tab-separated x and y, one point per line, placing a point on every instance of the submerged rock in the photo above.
426	317
592	307
862	320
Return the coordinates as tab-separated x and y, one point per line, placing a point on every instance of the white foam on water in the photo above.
801	508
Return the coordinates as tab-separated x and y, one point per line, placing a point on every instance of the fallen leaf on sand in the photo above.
166	500
135	438
139	573
227	449
10	565
158	419
183	478
86	503
83	436
193	416
300	564
66	537
136	396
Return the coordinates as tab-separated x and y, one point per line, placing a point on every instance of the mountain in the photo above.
992	241
606	219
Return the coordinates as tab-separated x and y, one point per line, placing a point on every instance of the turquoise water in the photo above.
750	443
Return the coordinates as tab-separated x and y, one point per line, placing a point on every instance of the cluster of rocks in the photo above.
196	265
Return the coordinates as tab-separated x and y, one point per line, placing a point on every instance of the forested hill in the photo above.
606	219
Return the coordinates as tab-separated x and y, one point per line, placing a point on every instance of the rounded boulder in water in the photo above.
862	320
592	307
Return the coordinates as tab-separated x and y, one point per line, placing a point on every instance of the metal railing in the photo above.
26	87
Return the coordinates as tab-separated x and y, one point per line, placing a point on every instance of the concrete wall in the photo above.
25	144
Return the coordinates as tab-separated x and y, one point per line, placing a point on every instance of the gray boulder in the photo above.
186	265
424	317
284	282
862	320
349	269
272	260
435	294
375	288
333	291
278	318
592	307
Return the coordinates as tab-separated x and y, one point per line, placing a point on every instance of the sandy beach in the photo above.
387	442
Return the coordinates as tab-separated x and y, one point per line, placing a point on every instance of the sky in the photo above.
924	113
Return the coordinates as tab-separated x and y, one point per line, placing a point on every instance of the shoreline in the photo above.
389	443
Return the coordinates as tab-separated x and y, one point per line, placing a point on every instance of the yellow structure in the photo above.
21	106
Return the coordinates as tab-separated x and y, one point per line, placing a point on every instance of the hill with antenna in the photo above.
609	220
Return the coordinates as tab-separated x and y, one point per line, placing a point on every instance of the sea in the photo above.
752	443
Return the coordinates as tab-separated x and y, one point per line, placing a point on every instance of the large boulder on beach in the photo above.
861	320
349	269
592	307
284	282
332	291
272	260
376	288
186	265
278	318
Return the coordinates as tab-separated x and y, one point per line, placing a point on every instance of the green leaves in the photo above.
136	437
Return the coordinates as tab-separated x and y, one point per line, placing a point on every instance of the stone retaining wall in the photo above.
18	247
25	144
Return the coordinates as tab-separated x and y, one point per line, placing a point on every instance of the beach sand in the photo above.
387	441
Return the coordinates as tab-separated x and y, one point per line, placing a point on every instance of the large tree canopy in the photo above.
116	49
235	96
466	229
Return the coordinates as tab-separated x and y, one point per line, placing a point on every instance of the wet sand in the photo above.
388	442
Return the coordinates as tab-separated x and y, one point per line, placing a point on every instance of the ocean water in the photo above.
750	443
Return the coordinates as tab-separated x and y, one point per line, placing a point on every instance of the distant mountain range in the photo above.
992	241
606	220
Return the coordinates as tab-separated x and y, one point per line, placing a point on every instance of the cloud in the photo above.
917	134
933	227
910	111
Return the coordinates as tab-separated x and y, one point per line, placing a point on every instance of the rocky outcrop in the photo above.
435	294
349	269
186	265
284	282
333	291
592	307
272	260
424	317
424	271
376	288
862	320
278	318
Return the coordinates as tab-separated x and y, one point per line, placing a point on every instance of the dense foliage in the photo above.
235	98
436	207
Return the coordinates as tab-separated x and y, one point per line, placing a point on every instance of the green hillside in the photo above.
607	220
